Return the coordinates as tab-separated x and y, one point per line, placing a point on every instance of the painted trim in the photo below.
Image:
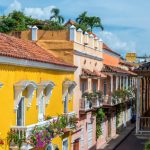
88	55
110	53
34	64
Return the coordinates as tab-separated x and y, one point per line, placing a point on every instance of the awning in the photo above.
100	74
117	70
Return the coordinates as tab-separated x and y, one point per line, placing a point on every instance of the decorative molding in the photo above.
45	88
67	88
88	55
20	87
34	64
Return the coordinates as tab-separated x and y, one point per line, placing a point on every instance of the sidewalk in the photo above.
114	142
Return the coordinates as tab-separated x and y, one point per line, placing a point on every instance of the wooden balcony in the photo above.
144	125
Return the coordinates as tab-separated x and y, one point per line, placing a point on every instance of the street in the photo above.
132	143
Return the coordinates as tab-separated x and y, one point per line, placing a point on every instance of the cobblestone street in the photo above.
132	142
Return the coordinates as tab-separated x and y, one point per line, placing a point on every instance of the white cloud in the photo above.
35	12
116	43
13	6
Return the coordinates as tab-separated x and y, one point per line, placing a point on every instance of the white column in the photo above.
86	41
120	82
138	106
34	33
81	35
123	82
117	83
127	82
92	40
72	33
111	84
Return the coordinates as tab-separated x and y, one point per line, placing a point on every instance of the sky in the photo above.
126	22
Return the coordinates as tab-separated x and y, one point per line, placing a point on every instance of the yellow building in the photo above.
34	85
131	57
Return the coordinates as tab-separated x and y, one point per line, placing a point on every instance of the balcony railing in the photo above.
96	102
144	124
70	116
108	100
26	131
86	105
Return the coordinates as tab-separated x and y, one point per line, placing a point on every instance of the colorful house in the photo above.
84	51
36	87
118	79
99	69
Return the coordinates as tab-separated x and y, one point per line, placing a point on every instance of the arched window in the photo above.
44	93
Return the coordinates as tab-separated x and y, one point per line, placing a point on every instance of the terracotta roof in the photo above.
70	22
105	47
22	49
126	63
113	69
87	72
100	74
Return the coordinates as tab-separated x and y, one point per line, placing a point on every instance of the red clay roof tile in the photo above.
22	49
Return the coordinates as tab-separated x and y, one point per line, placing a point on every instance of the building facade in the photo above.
35	86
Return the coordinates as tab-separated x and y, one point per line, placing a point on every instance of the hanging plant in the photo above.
13	137
42	136
100	115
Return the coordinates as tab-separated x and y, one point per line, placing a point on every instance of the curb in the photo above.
123	139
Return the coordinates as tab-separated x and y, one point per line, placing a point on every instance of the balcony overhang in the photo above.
45	89
19	89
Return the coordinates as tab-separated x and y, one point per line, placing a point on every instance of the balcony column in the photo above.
120	82
138	105
99	83
117	82
111	84
127	82
123	82
89	85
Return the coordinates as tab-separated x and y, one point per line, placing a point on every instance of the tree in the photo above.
82	18
93	22
88	22
56	16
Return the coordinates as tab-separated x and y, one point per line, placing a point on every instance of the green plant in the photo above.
100	115
72	121
88	23
147	146
99	94
14	137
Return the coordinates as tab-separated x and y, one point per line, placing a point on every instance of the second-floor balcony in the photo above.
111	101
87	105
23	133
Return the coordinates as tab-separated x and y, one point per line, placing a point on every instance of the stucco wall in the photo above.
11	75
